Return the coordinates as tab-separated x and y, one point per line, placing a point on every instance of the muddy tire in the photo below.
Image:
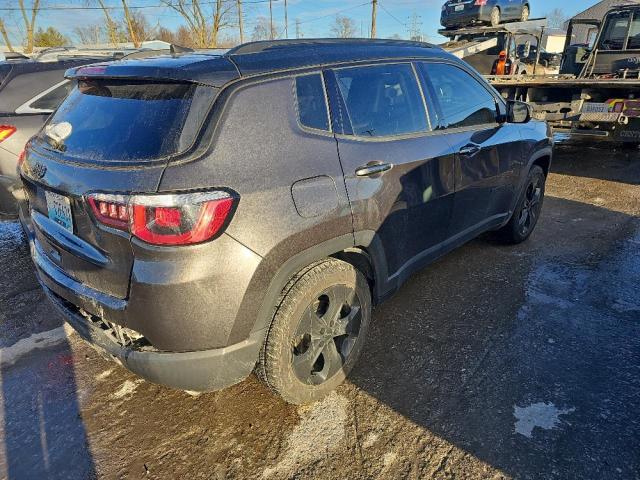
495	17
317	332
527	212
524	16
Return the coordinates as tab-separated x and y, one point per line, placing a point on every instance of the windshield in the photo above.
125	120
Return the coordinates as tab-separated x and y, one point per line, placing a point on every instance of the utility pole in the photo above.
239	3
415	27
271	19
298	31
286	21
374	11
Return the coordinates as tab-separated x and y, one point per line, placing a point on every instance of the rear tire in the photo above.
317	332
495	17
525	14
527	212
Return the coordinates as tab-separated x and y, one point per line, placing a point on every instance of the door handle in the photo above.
373	169
469	150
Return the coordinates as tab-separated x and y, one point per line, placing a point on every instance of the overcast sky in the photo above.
315	16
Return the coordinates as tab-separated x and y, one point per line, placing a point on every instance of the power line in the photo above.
335	13
69	7
391	14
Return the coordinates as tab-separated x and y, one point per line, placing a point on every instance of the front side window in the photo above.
615	32
312	104
382	100
463	100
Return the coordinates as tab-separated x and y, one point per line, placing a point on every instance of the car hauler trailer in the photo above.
603	99
482	46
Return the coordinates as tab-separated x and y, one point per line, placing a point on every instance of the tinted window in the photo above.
127	120
312	105
634	32
463	100
51	100
382	100
615	32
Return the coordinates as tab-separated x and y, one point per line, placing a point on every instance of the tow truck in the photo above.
597	92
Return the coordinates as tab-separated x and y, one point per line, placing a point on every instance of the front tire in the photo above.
527	212
495	17
525	14
317	332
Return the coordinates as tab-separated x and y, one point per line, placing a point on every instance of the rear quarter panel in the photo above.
260	151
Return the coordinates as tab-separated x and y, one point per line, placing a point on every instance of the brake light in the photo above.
6	131
481	3
180	219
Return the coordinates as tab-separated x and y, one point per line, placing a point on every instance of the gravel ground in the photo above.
495	362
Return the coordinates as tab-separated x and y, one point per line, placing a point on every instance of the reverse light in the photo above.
174	219
6	131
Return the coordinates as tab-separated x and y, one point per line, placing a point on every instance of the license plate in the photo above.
459	8
593	107
59	208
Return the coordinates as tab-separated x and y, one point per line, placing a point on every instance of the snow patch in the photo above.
388	458
542	415
11	235
9	355
320	431
103	375
127	388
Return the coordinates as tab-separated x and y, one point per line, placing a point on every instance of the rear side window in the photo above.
463	100
312	104
47	101
52	99
125	120
382	100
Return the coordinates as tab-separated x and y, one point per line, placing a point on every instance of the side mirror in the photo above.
518	112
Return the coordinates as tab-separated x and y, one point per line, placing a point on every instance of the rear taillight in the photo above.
481	3
175	219
6	131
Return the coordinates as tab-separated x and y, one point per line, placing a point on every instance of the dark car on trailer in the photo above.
463	13
199	217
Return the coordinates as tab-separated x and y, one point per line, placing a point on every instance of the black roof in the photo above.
257	58
600	9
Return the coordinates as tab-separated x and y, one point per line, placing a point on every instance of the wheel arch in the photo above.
363	251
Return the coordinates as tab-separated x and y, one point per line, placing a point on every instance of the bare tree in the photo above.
131	28
343	27
5	35
29	22
264	30
111	26
90	34
205	26
556	18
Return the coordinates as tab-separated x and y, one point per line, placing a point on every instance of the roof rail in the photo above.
263	45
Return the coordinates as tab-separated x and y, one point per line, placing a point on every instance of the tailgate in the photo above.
95	255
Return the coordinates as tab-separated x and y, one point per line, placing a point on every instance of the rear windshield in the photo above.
125	120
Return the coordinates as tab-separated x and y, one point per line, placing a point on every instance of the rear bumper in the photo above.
471	14
197	369
205	370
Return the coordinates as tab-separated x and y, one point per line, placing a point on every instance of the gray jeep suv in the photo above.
199	217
